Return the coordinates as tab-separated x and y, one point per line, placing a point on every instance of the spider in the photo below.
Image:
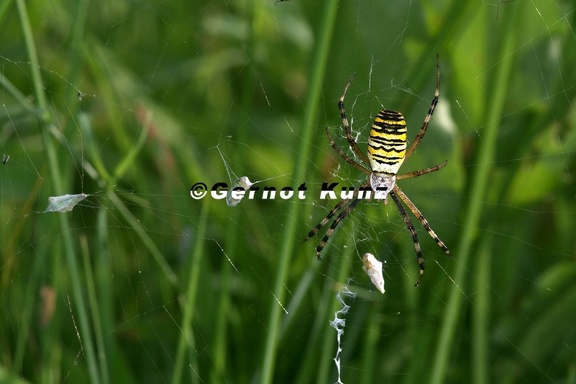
386	153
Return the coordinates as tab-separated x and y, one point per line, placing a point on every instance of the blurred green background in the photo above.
133	102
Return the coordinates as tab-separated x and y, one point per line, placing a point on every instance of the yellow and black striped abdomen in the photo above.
387	143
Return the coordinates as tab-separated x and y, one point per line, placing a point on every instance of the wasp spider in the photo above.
386	153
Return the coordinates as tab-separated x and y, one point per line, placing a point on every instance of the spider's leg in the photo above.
410	227
346	124
422	131
421	172
325	220
421	218
344	156
335	223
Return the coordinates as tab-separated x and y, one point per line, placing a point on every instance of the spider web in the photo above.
128	105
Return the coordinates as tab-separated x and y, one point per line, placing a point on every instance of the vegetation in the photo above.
132	103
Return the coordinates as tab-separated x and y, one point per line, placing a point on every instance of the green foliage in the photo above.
131	103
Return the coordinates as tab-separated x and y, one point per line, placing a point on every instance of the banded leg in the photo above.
346	210
410	227
421	172
325	220
422	131
346	125
421	218
344	156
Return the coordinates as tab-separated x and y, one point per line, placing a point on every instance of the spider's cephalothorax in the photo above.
386	153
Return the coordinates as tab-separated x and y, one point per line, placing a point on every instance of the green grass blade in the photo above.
310	114
474	209
186	344
94	309
326	365
481	314
46	120
146	240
